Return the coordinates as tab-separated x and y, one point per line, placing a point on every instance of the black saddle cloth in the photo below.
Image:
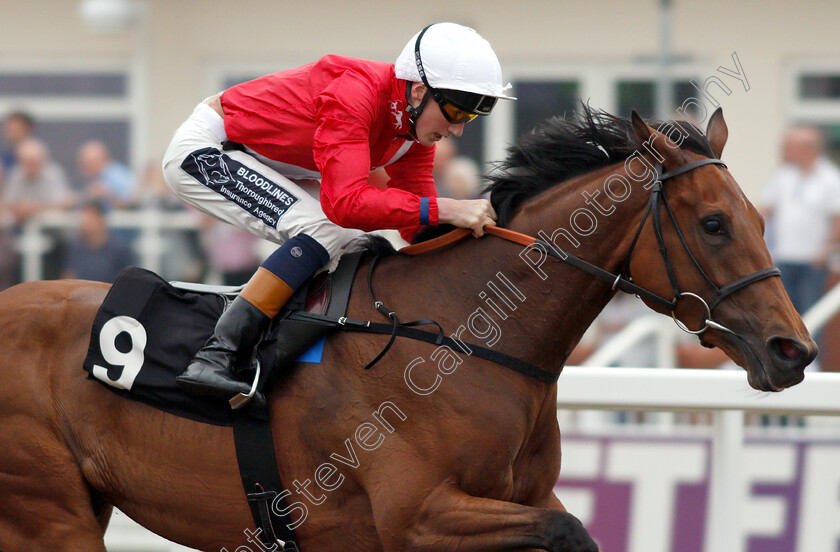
147	331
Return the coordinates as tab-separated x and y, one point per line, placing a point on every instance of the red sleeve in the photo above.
413	173
345	116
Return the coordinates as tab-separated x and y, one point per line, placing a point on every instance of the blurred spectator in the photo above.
456	176
445	150
153	192
104	179
95	254
231	252
36	183
460	179
17	127
183	256
803	200
378	179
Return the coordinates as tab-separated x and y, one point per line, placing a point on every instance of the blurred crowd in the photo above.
92	193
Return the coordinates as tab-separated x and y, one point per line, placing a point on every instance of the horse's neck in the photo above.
501	300
576	297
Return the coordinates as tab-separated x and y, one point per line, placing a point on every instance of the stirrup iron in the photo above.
241	399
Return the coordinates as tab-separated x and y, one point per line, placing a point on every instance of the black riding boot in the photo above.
213	370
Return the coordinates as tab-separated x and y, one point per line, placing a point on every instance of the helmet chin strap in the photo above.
414	112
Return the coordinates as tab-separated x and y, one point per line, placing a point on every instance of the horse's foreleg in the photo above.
451	520
48	511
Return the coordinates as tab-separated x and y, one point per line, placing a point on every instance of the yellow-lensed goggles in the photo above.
455	114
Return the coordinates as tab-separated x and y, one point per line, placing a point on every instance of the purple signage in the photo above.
651	494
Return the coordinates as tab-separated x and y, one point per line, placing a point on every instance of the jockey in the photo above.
336	120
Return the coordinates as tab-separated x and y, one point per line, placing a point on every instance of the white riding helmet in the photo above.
454	57
450	58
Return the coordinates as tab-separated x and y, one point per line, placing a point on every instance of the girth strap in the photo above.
258	469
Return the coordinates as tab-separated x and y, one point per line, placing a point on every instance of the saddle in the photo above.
147	330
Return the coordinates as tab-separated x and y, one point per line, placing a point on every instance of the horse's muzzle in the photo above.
788	359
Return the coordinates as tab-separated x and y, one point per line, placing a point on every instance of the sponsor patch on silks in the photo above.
253	192
314	353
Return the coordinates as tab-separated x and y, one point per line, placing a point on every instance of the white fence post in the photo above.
32	244
149	245
723	529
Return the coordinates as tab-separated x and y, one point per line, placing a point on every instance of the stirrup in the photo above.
241	399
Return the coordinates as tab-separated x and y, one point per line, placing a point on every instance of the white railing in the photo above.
651	326
684	389
150	244
725	394
124	535
823	310
665	333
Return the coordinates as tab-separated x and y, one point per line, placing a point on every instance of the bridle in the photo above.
624	282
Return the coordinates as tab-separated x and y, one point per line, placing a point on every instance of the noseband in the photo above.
624	282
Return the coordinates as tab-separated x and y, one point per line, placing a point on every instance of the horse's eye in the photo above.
712	226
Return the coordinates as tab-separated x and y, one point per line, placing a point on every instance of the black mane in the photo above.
372	244
559	150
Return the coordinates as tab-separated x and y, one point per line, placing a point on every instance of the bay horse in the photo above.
431	449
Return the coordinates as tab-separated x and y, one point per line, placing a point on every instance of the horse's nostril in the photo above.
790	352
788	359
788	348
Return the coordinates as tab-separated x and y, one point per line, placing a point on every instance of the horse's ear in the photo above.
640	128
655	143
716	132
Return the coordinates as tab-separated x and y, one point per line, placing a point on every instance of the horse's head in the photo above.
752	321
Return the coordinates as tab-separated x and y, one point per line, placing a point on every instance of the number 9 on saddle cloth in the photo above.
147	331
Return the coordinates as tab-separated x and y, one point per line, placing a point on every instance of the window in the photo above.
83	84
641	96
819	87
71	105
65	137
541	100
239	79
543	92
832	139
471	142
814	88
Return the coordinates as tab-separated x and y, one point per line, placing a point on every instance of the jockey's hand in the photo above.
474	214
